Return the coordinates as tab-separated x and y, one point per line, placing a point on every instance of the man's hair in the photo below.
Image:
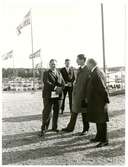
52	60
92	61
81	57
67	60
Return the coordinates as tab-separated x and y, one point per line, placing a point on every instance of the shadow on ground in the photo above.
39	116
27	118
74	143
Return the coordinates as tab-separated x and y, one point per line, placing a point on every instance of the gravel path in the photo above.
22	146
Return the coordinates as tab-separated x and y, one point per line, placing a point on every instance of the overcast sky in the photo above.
63	29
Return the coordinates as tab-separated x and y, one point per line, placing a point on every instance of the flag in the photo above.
34	55
8	55
26	21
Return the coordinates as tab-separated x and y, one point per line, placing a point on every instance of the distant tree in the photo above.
21	72
4	73
8	73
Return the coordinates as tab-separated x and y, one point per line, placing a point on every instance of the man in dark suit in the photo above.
52	96
79	97
69	77
97	99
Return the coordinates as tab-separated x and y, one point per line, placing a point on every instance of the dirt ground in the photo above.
22	146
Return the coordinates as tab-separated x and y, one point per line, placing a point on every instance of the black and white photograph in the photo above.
63	82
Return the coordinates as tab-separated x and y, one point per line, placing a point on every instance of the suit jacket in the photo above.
68	76
97	97
50	81
79	90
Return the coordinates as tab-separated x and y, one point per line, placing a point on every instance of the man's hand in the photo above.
69	84
58	90
55	88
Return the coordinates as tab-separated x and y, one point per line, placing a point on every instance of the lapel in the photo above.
80	70
69	73
65	71
100	74
53	75
78	73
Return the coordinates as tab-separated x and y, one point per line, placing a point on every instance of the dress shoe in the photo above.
66	130
83	133
94	140
42	133
102	144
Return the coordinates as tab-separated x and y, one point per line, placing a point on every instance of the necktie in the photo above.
80	69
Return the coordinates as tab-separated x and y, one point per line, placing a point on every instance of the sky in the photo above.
63	29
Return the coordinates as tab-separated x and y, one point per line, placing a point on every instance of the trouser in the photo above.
101	132
46	115
65	91
71	124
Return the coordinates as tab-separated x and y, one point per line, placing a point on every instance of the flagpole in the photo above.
103	41
40	58
41	69
32	53
125	31
13	69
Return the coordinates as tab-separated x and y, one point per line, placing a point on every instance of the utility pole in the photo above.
103	41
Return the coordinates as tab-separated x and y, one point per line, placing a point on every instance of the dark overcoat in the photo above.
79	90
50	81
97	97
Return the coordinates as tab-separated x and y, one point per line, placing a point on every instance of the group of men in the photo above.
87	94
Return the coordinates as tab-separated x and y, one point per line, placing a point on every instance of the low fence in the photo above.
115	83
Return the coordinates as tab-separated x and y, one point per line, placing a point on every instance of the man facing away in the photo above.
97	99
52	96
69	77
79	96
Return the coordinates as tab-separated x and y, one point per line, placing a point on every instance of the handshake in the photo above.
58	90
69	84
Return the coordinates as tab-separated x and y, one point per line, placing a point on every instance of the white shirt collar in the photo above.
93	68
83	66
67	68
54	71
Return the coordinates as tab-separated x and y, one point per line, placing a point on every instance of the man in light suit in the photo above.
52	96
79	97
97	100
69	77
